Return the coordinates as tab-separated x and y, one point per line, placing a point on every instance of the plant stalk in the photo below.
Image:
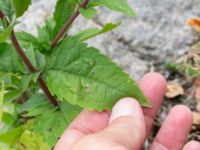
68	24
27	62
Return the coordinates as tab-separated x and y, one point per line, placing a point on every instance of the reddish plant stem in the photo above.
1	15
27	62
68	24
21	53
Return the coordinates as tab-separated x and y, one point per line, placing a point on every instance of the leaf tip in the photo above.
147	104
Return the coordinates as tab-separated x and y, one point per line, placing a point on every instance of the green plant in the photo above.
70	74
188	64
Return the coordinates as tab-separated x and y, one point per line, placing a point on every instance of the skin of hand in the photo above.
128	125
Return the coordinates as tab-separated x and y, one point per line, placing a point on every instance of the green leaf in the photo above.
31	55
37	59
92	32
35	106
35	76
9	118
6	78
15	86
116	5
32	141
173	67
20	6
7	123
12	95
191	72
6	7
10	62
83	76
63	11
52	128
88	13
26	40
22	139
4	146
11	136
69	111
5	34
45	34
49	129
24	82
33	49
1	100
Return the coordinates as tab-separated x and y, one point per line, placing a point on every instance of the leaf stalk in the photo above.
29	65
68	24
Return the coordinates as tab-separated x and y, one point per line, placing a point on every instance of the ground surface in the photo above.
142	43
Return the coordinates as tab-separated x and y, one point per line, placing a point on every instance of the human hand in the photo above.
127	127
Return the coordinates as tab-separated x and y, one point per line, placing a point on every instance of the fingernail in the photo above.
125	107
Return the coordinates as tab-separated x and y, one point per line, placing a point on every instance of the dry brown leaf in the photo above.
197	82
194	23
174	89
196	118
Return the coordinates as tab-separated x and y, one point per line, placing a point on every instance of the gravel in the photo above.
140	42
